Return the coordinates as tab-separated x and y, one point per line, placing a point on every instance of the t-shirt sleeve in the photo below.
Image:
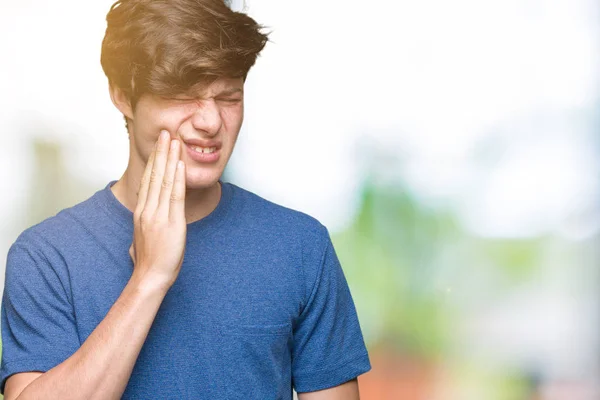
328	345
38	324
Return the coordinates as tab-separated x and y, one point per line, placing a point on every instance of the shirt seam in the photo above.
111	215
316	283
28	249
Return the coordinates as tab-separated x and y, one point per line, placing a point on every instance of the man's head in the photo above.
180	65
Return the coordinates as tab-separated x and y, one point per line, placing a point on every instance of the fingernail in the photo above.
174	143
164	135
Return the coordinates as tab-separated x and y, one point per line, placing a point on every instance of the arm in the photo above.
345	391
102	366
328	348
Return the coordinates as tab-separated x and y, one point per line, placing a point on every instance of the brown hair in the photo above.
166	47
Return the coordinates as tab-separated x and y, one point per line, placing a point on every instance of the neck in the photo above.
198	202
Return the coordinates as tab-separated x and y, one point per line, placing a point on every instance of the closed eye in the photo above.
231	100
178	99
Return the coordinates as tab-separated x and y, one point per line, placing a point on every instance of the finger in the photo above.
132	253
177	208
169	177
158	171
145	182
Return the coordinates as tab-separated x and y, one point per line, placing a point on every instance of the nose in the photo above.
207	117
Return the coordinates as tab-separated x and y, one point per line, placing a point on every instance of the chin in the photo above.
201	179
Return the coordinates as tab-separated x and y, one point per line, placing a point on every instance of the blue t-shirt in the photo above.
260	306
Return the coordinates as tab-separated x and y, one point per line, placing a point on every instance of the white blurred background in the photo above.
485	113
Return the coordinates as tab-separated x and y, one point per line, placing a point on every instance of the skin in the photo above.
345	391
213	113
164	198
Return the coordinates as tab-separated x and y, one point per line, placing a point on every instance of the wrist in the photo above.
150	284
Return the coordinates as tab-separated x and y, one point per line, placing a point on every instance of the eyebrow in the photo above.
225	92
229	92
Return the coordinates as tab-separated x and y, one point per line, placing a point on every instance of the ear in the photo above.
121	101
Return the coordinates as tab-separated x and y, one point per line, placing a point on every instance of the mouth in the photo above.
203	152
202	144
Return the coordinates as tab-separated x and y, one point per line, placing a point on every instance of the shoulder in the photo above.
60	230
280	228
272	216
40	254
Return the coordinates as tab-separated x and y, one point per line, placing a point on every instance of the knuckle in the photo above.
146	218
167	183
153	176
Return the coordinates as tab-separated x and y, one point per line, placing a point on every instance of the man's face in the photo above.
207	121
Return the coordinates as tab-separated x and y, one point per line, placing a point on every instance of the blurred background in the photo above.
451	148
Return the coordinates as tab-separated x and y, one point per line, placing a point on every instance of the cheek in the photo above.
232	117
171	119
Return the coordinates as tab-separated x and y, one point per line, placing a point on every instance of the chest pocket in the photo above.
256	359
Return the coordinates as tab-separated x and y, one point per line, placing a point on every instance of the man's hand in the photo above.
159	218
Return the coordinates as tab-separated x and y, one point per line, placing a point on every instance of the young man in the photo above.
169	282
